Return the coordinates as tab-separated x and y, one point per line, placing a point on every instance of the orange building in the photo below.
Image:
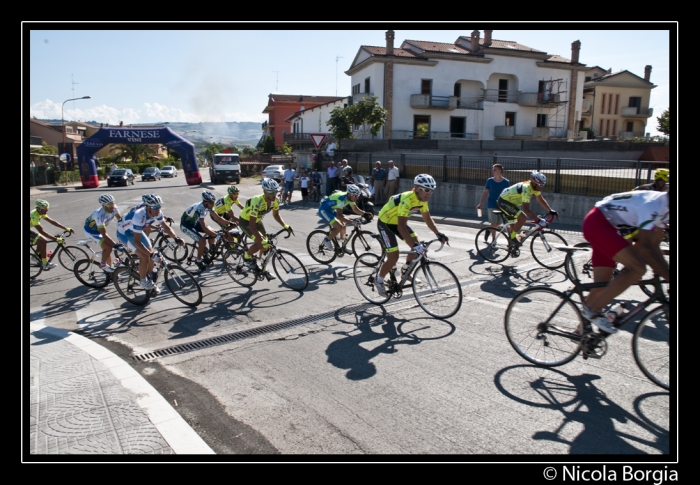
281	106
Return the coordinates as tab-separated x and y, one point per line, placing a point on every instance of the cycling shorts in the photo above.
245	227
33	237
605	239
93	236
510	210
388	234
328	215
127	239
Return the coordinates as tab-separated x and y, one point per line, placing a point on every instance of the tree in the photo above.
211	149
134	152
366	114
287	149
45	149
269	145
664	122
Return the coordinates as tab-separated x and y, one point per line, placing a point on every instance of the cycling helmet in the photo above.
208	196
270	184
353	189
538	178
42	204
424	180
661	174
233	190
347	169
152	200
106	199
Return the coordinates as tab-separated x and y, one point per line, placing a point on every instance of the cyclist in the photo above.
224	208
605	226
659	183
516	196
95	228
193	224
35	216
251	222
393	221
331	211
131	231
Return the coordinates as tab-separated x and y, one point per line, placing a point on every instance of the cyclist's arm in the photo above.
428	219
238	203
218	218
544	203
405	231
103	230
278	218
44	233
341	217
526	210
206	228
171	233
357	210
56	223
648	245
233	216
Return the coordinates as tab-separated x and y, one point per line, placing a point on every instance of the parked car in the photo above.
121	176
151	173
274	172
168	171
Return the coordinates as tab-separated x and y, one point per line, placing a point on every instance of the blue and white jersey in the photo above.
100	218
137	220
193	214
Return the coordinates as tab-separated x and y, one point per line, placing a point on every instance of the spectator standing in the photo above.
316	179
378	179
332	178
304	184
493	188
330	149
289	176
392	180
108	170
343	163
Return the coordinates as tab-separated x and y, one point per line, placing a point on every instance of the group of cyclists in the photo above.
624	228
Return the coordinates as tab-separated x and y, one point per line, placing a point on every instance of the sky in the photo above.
225	72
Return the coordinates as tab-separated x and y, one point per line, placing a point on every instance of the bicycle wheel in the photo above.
35	266
175	254
127	282
89	273
69	255
648	289
183	285
363	242
237	270
364	273
290	270
651	347
437	289
496	249
541	325
577	264
317	249
544	249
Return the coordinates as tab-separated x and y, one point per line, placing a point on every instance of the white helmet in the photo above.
152	200
353	189
538	178
208	196
270	184
425	180
106	199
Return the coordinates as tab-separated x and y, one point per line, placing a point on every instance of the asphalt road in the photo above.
363	382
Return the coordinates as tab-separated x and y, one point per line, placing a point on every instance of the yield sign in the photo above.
317	138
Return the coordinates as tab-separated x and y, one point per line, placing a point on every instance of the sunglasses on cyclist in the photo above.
155	207
270	192
427	191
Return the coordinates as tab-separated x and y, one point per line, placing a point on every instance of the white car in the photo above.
168	171
274	172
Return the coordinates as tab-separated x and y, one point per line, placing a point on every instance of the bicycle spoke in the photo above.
290	270
496	249
35	266
127	282
363	242
88	272
183	285
237	270
317	249
364	273
437	289
69	255
544	249
651	347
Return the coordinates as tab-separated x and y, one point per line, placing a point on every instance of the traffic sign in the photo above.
317	138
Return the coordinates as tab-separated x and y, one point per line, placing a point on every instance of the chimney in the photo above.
487	38
647	72
389	42
610	70
475	41
575	48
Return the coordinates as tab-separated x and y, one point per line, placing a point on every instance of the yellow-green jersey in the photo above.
519	193
224	204
35	218
257	207
401	205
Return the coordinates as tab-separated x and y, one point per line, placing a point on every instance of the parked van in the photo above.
226	168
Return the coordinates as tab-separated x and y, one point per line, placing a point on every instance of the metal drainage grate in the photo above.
274	327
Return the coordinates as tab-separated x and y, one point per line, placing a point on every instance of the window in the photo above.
421	126
458	93
541	120
510	118
607	127
588	78
502	90
367	86
635	102
602	104
617	103
630	126
426	86
457	126
356	89
614	130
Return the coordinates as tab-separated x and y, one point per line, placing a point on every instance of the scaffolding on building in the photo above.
554	94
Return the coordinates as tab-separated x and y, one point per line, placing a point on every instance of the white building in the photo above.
474	88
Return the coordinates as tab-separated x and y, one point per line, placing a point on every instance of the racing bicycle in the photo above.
546	327
67	256
360	242
500	246
160	239
88	271
178	280
288	268
435	286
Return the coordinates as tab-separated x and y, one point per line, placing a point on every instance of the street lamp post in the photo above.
63	128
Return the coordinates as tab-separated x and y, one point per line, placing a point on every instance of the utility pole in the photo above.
336	74
73	89
277	81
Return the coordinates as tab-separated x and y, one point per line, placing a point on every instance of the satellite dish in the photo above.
65	157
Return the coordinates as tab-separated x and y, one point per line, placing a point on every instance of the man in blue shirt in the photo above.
494	186
377	179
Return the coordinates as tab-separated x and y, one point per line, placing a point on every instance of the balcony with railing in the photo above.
360	96
432	135
500	95
471	102
541	100
636	112
428	101
298	138
264	126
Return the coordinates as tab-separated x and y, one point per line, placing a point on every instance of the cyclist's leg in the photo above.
513	214
96	237
199	243
391	244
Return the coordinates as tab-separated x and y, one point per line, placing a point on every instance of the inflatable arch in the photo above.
145	135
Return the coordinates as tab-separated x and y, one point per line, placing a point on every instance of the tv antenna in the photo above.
336	74
278	80
73	89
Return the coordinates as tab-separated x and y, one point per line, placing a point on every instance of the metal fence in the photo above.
574	176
